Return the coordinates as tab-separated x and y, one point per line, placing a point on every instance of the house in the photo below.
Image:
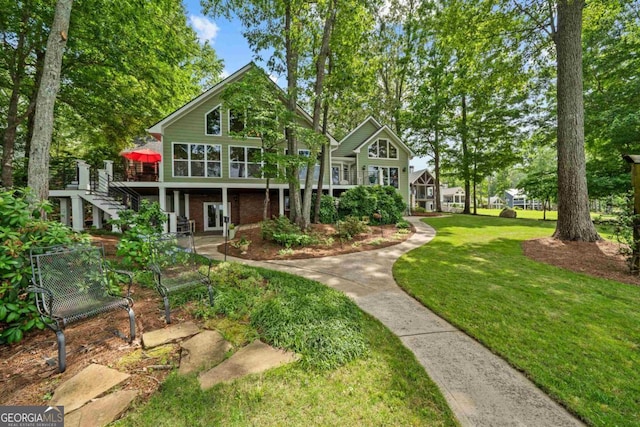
515	198
422	185
452	196
496	202
206	175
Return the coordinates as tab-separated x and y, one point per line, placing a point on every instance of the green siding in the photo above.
350	143
190	128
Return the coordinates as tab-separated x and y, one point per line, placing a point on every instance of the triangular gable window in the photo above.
213	121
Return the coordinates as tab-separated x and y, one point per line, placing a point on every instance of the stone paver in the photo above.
169	334
252	359
87	384
480	387
101	411
203	351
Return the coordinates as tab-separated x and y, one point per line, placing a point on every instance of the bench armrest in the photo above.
129	276
46	293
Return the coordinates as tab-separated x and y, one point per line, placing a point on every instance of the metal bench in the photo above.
70	285
177	267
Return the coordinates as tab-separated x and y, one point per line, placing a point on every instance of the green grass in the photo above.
575	336
524	214
383	386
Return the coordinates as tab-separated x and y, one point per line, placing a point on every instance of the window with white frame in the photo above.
236	121
389	175
245	162
197	160
382	149
302	174
213	122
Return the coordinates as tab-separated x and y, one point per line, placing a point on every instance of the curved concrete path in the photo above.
480	387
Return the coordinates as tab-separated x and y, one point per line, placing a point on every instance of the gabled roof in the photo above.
394	137
413	176
451	191
514	192
158	127
365	121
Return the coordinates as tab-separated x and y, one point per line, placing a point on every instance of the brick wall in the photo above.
196	208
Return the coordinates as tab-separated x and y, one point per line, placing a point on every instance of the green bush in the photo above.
134	248
328	211
368	200
280	225
350	227
403	224
283	232
21	228
418	209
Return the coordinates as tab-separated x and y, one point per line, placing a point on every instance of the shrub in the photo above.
328	211
350	227
133	247
403	224
418	209
280	225
21	228
294	239
367	200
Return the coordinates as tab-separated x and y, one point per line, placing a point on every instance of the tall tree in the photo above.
574	220
38	178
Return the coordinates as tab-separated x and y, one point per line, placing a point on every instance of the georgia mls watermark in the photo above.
31	416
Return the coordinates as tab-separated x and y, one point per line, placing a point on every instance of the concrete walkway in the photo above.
480	387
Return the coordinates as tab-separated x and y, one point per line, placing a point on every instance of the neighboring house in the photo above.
496	202
423	187
206	175
515	198
452	196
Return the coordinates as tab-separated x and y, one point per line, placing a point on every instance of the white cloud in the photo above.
205	29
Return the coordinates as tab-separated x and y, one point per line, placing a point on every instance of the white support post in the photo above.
281	201
173	222
83	175
225	211
97	217
64	211
77	213
162	198
380	176
176	202
187	213
108	166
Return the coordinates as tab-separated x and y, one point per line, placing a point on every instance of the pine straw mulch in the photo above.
600	259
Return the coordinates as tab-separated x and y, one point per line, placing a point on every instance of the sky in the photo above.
227	40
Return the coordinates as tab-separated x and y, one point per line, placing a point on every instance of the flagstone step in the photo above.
203	351
254	358
169	334
87	384
101	411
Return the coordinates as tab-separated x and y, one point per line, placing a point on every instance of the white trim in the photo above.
389	143
188	160
393	136
219	106
205	216
195	102
246	162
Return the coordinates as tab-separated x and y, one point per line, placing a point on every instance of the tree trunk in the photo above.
295	204
436	169
43	123
323	161
465	158
574	221
321	63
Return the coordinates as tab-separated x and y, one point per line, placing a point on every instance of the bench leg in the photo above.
167	312
210	295
132	324
62	352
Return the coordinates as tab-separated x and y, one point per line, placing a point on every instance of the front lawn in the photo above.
334	384
575	336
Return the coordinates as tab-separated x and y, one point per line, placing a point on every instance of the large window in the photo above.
383	149
197	160
244	162
302	173
389	175
212	119
236	121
